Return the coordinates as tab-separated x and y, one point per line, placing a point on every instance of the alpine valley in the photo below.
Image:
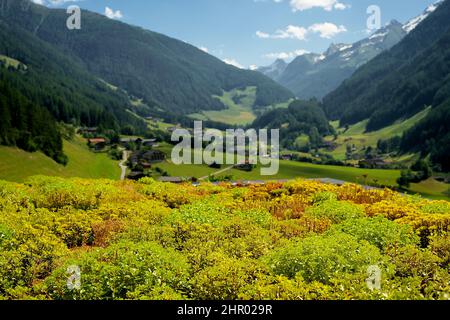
112	141
82	78
365	104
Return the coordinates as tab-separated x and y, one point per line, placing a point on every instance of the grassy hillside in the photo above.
432	189
17	165
10	62
239	108
356	134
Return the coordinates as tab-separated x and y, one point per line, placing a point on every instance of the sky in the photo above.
250	33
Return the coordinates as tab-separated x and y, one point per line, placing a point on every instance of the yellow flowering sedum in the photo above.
150	240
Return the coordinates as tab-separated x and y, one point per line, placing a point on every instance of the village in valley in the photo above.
139	157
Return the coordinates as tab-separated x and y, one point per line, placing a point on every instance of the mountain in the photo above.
167	73
376	87
275	70
315	75
297	72
40	86
413	23
50	74
400	83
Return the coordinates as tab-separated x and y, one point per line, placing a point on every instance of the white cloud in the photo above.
291	32
341	6
262	35
286	55
327	30
204	49
328	5
253	67
110	13
233	62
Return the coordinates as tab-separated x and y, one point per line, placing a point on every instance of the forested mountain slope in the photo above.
61	73
48	86
300	118
401	82
167	73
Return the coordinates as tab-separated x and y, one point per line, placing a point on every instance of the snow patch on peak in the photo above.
378	35
345	47
334	48
319	58
413	23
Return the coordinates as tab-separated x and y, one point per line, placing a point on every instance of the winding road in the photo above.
123	164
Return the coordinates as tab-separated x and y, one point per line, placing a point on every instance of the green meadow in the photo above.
292	170
357	135
10	62
239	108
16	165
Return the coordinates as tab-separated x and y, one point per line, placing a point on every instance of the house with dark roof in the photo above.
97	143
88	130
373	163
125	142
136	175
171	179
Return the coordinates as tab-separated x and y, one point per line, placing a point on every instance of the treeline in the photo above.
49	87
187	122
432	136
419	171
301	117
389	145
28	126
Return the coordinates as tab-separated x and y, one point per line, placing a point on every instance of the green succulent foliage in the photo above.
322	258
150	240
336	211
442	207
378	231
323	197
122	271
